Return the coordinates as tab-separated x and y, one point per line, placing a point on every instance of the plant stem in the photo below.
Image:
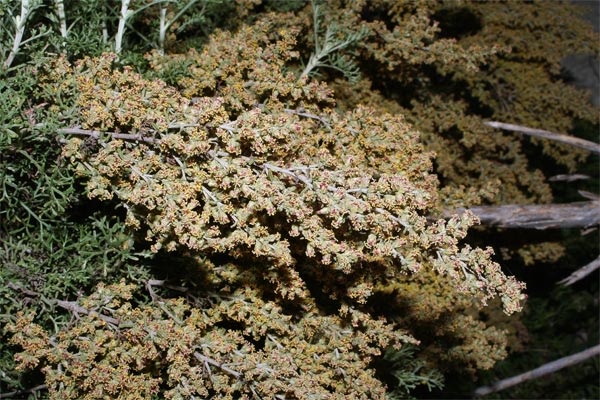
121	28
20	21
163	29
559	137
60	10
539	372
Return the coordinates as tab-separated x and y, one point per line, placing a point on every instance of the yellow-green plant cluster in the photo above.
294	197
170	348
304	203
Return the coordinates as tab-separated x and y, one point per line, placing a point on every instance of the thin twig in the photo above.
123	17
589	195
60	10
162	30
13	286
166	25
19	393
302	113
539	372
202	357
20	21
581	272
67	305
162	283
568	177
559	137
77	309
97	134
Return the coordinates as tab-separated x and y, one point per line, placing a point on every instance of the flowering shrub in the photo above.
123	351
300	191
193	177
299	224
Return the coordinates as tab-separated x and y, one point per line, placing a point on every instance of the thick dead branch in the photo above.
581	272
559	137
539	372
539	216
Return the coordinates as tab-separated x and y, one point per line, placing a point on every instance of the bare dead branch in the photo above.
539	372
22	394
538	216
559	137
568	177
581	272
589	195
587	231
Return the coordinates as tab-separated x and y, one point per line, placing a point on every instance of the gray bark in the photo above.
539	216
558	137
540	371
581	272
